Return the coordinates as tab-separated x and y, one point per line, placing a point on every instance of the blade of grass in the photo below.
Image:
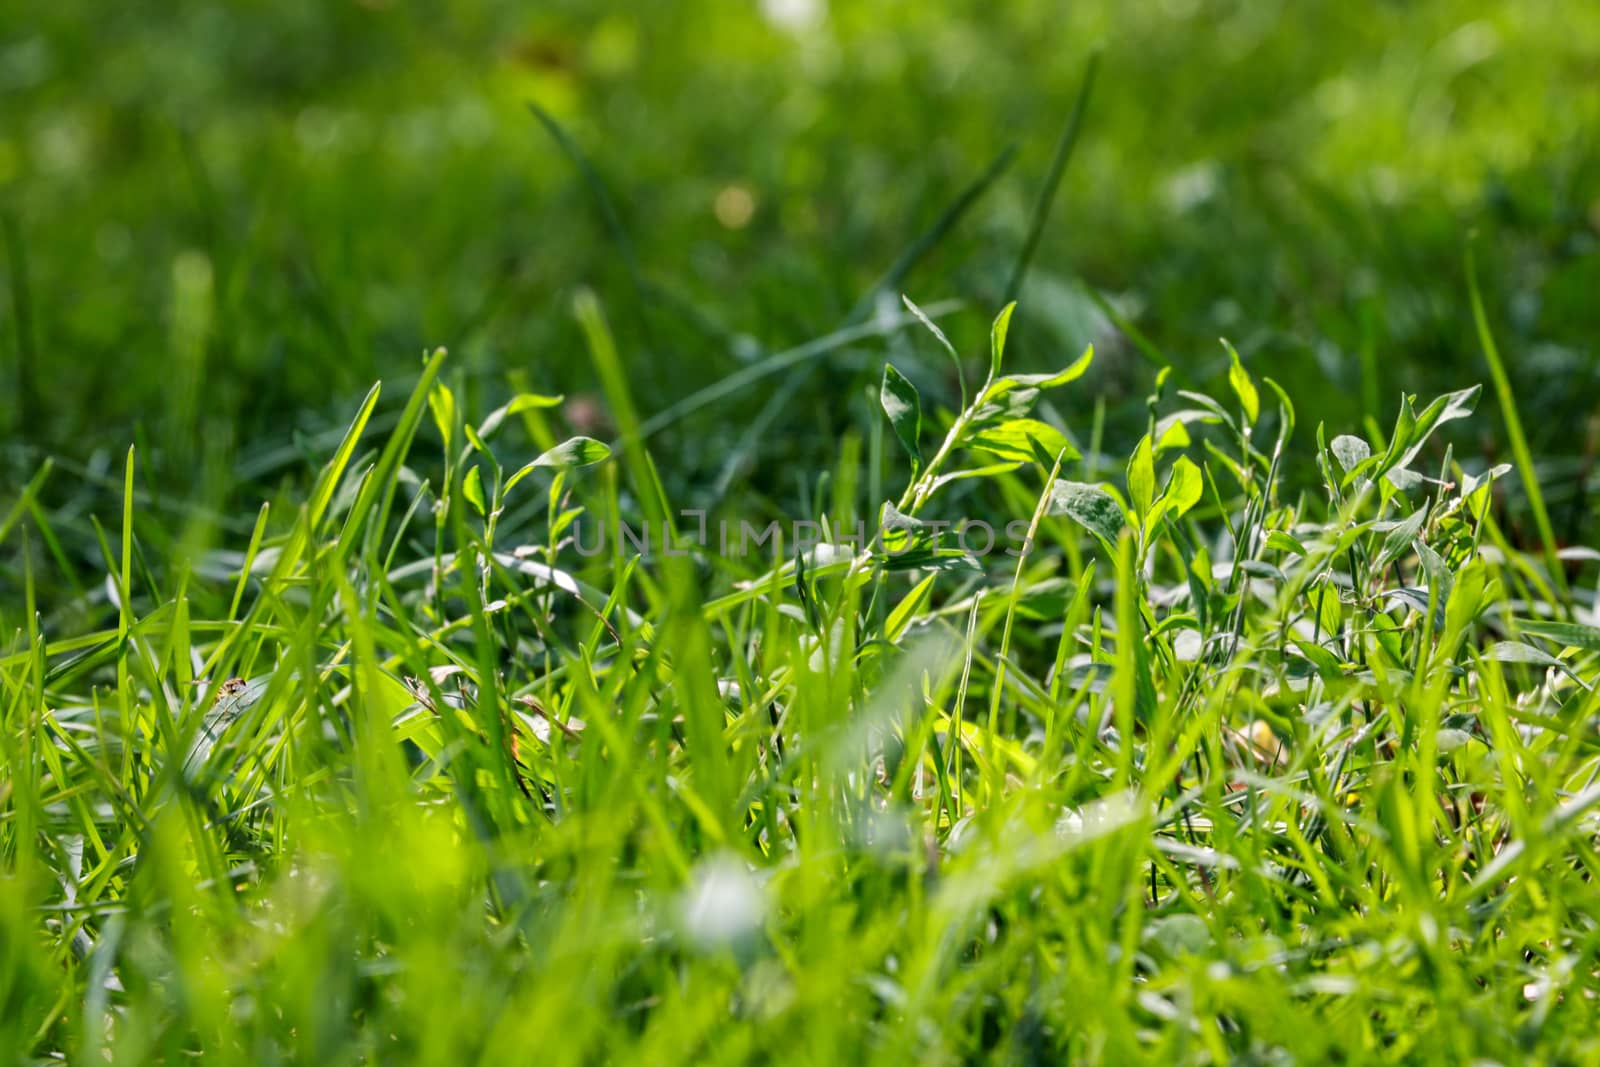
1052	181
1519	440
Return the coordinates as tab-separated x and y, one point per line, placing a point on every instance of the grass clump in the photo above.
1261	744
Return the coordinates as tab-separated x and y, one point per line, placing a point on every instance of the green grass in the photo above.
1215	770
330	732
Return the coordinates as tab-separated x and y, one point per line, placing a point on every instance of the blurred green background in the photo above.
223	221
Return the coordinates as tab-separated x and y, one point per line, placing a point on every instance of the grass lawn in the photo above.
810	584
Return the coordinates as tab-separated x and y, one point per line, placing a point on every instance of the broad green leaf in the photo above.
1285	542
1142	478
1350	536
1385	632
1001	386
1350	451
472	489
1090	506
1210	409
1476	483
997	338
899	619
904	408
1399	539
895	519
574	452
1403	479
1172	433
1180	935
1243	387
1263	569
442	403
1070	373
897	529
1184	487
1466	599
577	452
1006	403
1447	408
1176	621
1404	424
1517	652
1326	663
976	472
563	520
518	404
938	559
1024	440
1568	634
528	401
